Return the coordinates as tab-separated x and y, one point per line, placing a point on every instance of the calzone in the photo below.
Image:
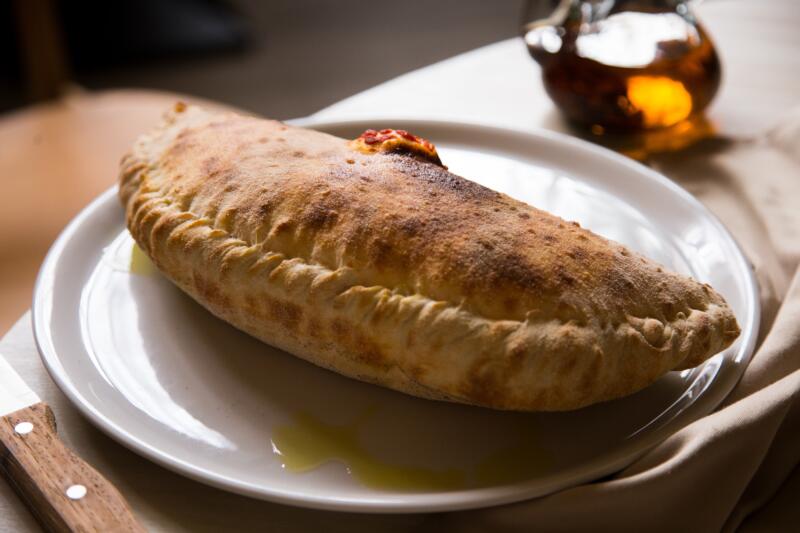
369	258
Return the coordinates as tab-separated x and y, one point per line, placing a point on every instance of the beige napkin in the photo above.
736	468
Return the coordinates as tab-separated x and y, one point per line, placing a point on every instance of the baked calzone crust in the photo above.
369	258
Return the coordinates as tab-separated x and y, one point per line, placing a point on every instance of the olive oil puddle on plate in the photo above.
141	264
307	443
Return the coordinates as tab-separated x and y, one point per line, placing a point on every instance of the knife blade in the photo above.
14	393
62	491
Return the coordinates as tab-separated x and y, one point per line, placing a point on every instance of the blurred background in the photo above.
60	63
280	58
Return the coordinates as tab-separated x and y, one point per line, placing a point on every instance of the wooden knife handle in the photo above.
62	491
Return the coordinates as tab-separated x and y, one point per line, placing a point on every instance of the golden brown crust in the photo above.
392	270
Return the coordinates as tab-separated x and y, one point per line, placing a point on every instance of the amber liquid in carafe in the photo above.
631	71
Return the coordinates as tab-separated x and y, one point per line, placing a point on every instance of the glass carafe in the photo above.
624	65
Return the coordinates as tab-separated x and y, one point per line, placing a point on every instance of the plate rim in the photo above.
436	501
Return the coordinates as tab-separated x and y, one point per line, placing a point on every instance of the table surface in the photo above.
497	84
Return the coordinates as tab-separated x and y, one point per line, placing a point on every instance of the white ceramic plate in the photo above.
164	377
